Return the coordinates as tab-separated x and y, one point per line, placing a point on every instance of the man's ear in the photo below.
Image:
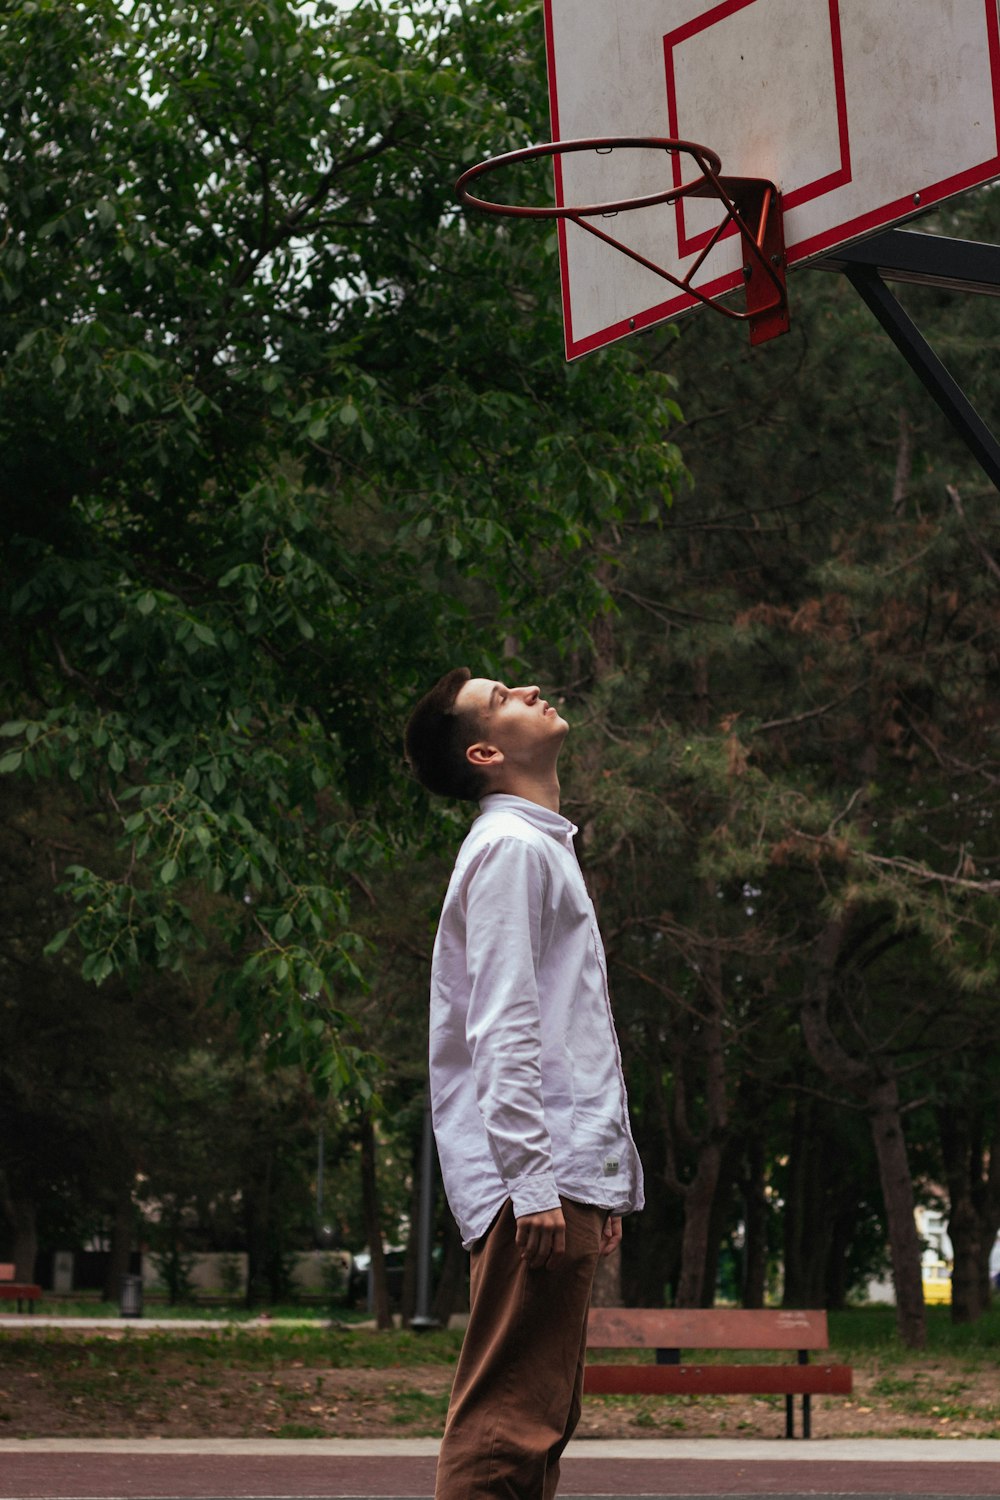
483	754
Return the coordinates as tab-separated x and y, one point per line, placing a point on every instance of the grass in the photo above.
147	1376
234	1347
422	1411
156	1306
859	1336
863	1332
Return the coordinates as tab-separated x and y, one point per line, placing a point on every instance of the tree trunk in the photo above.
719	1221
651	1247
698	1202
651	1252
755	1219
699	1194
256	1220
256	1250
806	1226
452	1294
881	1100
373	1223
897	1192
972	1175
964	1231
24	1221
411	1263
607	1290
793	1229
122	1234
842	1227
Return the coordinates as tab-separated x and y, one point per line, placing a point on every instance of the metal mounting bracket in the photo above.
762	233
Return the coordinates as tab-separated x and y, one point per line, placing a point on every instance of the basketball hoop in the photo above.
751	204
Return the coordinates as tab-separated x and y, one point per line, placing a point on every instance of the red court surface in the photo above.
186	1471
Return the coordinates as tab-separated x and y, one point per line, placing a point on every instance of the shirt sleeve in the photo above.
504	898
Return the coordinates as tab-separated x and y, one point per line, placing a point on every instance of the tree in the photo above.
272	456
797	752
73	1065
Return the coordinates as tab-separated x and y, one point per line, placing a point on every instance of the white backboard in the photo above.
862	112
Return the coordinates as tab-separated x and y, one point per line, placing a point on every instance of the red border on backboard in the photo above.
691	244
841	234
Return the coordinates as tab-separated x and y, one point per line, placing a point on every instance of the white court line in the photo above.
712	1450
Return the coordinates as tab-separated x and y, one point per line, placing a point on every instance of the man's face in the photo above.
517	720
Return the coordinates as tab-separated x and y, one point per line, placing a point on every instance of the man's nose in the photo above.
529	694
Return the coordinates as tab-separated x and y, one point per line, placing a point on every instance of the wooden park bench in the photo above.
671	1330
20	1292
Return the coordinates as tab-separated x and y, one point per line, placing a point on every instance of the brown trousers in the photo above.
516	1396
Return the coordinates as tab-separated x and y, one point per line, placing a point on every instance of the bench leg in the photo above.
806	1416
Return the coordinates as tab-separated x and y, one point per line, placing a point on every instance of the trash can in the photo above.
130	1300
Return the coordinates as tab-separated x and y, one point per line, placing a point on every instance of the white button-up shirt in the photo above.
527	1092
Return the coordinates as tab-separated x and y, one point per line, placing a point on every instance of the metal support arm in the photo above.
930	260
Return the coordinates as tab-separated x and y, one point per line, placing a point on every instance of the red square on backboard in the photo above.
690	242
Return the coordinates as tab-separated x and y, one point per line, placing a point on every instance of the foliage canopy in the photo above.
286	436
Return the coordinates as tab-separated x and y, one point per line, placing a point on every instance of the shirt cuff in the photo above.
533	1195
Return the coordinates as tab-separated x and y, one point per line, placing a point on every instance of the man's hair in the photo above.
437	736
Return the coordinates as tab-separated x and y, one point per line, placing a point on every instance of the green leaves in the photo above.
284	434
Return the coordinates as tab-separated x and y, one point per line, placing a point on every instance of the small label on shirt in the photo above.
611	1166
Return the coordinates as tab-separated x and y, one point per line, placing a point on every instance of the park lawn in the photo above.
316	1380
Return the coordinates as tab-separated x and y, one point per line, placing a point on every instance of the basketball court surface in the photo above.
150	1469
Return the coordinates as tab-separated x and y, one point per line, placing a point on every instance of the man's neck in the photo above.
541	789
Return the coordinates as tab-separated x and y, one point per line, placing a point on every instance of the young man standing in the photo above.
527	1095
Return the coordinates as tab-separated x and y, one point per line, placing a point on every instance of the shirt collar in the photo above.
552	823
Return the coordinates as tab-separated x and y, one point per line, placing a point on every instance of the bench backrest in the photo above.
706	1328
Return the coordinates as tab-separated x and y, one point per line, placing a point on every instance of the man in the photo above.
527	1095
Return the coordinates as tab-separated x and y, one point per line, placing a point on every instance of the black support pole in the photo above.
423	1318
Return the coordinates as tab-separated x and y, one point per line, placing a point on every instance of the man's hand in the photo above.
612	1236
541	1239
